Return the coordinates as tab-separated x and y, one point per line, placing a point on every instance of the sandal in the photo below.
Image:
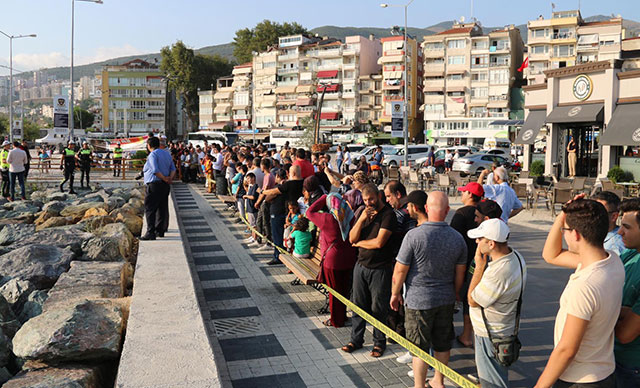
350	348
377	352
327	323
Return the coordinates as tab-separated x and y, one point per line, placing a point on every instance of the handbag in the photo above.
506	350
321	278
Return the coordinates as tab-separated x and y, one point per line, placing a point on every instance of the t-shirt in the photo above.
613	242
324	180
268	182
504	196
306	168
249	204
628	355
498	293
382	257
404	224
291	190
302	242
259	175
594	294
432	251
463	221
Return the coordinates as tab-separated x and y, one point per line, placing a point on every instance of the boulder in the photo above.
102	249
78	211
68	376
22	207
32	307
137	204
9	324
5	350
16	291
53	222
63	236
123	193
57	196
12	233
88	330
89	280
5	376
138	192
12	217
114	202
88	199
40	264
132	221
120	232
54	207
95	212
94	223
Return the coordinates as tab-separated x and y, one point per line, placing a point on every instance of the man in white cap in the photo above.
4	168
495	297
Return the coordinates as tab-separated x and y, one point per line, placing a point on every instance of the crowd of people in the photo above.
15	162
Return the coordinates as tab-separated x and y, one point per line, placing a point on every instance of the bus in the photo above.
279	137
220	138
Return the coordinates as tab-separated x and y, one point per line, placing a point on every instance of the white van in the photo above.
57	136
219	138
491	143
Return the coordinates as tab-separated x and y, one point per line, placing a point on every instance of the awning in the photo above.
456	71
589	113
285	89
327	74
220	124
507	122
330	116
304	101
531	128
588	39
624	126
390	59
222	95
456	88
222	109
267	103
304	89
329	89
285	103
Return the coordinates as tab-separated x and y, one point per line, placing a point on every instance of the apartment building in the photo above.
241	85
567	40
133	98
370	105
223	100
264	84
393	62
205	109
468	81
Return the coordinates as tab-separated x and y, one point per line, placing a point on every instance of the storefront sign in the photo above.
527	135
636	135
582	87
575	111
471	133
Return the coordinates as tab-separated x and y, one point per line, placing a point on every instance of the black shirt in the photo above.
324	180
405	224
383	257
464	220
291	191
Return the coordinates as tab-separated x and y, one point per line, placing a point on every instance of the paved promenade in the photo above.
266	332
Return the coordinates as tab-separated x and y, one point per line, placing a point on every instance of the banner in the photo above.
130	143
17	129
61	112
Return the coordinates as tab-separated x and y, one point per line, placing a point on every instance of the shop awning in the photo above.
531	127
330	116
331	88
328	74
286	89
589	113
624	126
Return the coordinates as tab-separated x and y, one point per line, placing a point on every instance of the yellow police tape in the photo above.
449	373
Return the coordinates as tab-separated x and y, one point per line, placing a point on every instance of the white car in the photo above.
499	152
396	158
369	151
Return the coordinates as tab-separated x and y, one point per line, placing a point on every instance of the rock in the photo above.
63	236
16	292
12	233
54	207
68	376
21	207
114	202
5	349
79	210
40	264
53	222
9	324
5	376
33	305
94	223
57	197
133	222
138	192
89	330
89	280
122	234
91	199
102	249
12	217
95	212
137	204
123	193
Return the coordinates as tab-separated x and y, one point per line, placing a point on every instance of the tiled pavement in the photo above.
267	332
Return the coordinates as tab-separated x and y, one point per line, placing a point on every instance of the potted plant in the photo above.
537	170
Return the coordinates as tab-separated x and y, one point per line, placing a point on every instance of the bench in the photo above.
228	199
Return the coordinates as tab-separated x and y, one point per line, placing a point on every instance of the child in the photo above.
301	239
237	187
208	173
249	205
292	217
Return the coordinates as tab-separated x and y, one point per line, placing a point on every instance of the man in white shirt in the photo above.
611	202
500	191
17	159
590	303
496	287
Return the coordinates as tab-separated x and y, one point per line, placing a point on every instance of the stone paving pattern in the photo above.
266	332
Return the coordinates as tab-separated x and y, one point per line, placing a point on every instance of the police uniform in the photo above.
4	168
85	165
69	163
117	161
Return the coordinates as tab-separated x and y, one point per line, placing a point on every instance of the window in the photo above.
479	76
478	111
456	60
499	76
479	60
434	46
455	77
542	49
565	50
457	44
434	108
455	94
435	61
479	92
480	44
541	33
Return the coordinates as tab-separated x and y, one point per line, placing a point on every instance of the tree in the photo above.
31	130
187	71
263	35
83	117
4	125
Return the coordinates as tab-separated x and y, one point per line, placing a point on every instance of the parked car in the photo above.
396	157
500	152
369	151
439	156
475	163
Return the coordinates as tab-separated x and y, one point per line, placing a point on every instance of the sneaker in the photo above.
254	244
405	358
265	248
248	240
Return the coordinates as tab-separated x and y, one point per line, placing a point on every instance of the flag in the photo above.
524	65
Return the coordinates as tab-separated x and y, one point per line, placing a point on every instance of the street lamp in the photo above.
11	38
73	3
405	125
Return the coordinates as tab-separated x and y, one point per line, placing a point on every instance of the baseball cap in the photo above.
474	188
494	229
489	208
418	198
5	143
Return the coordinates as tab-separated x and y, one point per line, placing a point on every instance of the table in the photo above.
627	187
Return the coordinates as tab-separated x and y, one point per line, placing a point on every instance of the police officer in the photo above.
117	160
85	157
4	168
68	165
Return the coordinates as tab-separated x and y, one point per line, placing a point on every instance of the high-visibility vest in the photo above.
117	152
3	157
68	152
85	155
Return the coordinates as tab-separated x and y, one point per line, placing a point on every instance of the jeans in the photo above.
371	292
627	377
85	169
241	210
277	233
490	372
20	176
339	165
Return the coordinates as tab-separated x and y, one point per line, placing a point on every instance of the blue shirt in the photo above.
158	161
613	242
504	196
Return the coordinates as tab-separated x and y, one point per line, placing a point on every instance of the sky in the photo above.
130	27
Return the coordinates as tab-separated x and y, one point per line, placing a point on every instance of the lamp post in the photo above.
11	38
73	4
405	125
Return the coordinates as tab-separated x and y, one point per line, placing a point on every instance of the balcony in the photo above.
349	52
439	83
241	117
350	94
434	67
433	53
568	36
288	56
330	53
288	70
500	64
539	56
331	96
434	99
349	66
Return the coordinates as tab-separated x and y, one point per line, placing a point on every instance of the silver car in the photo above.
475	163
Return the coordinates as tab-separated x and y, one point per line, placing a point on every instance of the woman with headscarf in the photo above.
333	217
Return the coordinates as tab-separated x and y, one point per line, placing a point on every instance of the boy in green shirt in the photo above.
301	239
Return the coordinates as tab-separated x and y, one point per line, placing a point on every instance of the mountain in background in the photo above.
226	50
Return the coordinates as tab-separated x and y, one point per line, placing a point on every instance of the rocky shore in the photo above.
66	271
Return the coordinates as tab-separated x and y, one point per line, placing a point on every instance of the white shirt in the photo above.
347	157
504	196
218	161
17	158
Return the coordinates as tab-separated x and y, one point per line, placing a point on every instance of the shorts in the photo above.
431	328
609	382
251	217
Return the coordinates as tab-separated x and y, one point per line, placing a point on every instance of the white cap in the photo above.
5	143
494	229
